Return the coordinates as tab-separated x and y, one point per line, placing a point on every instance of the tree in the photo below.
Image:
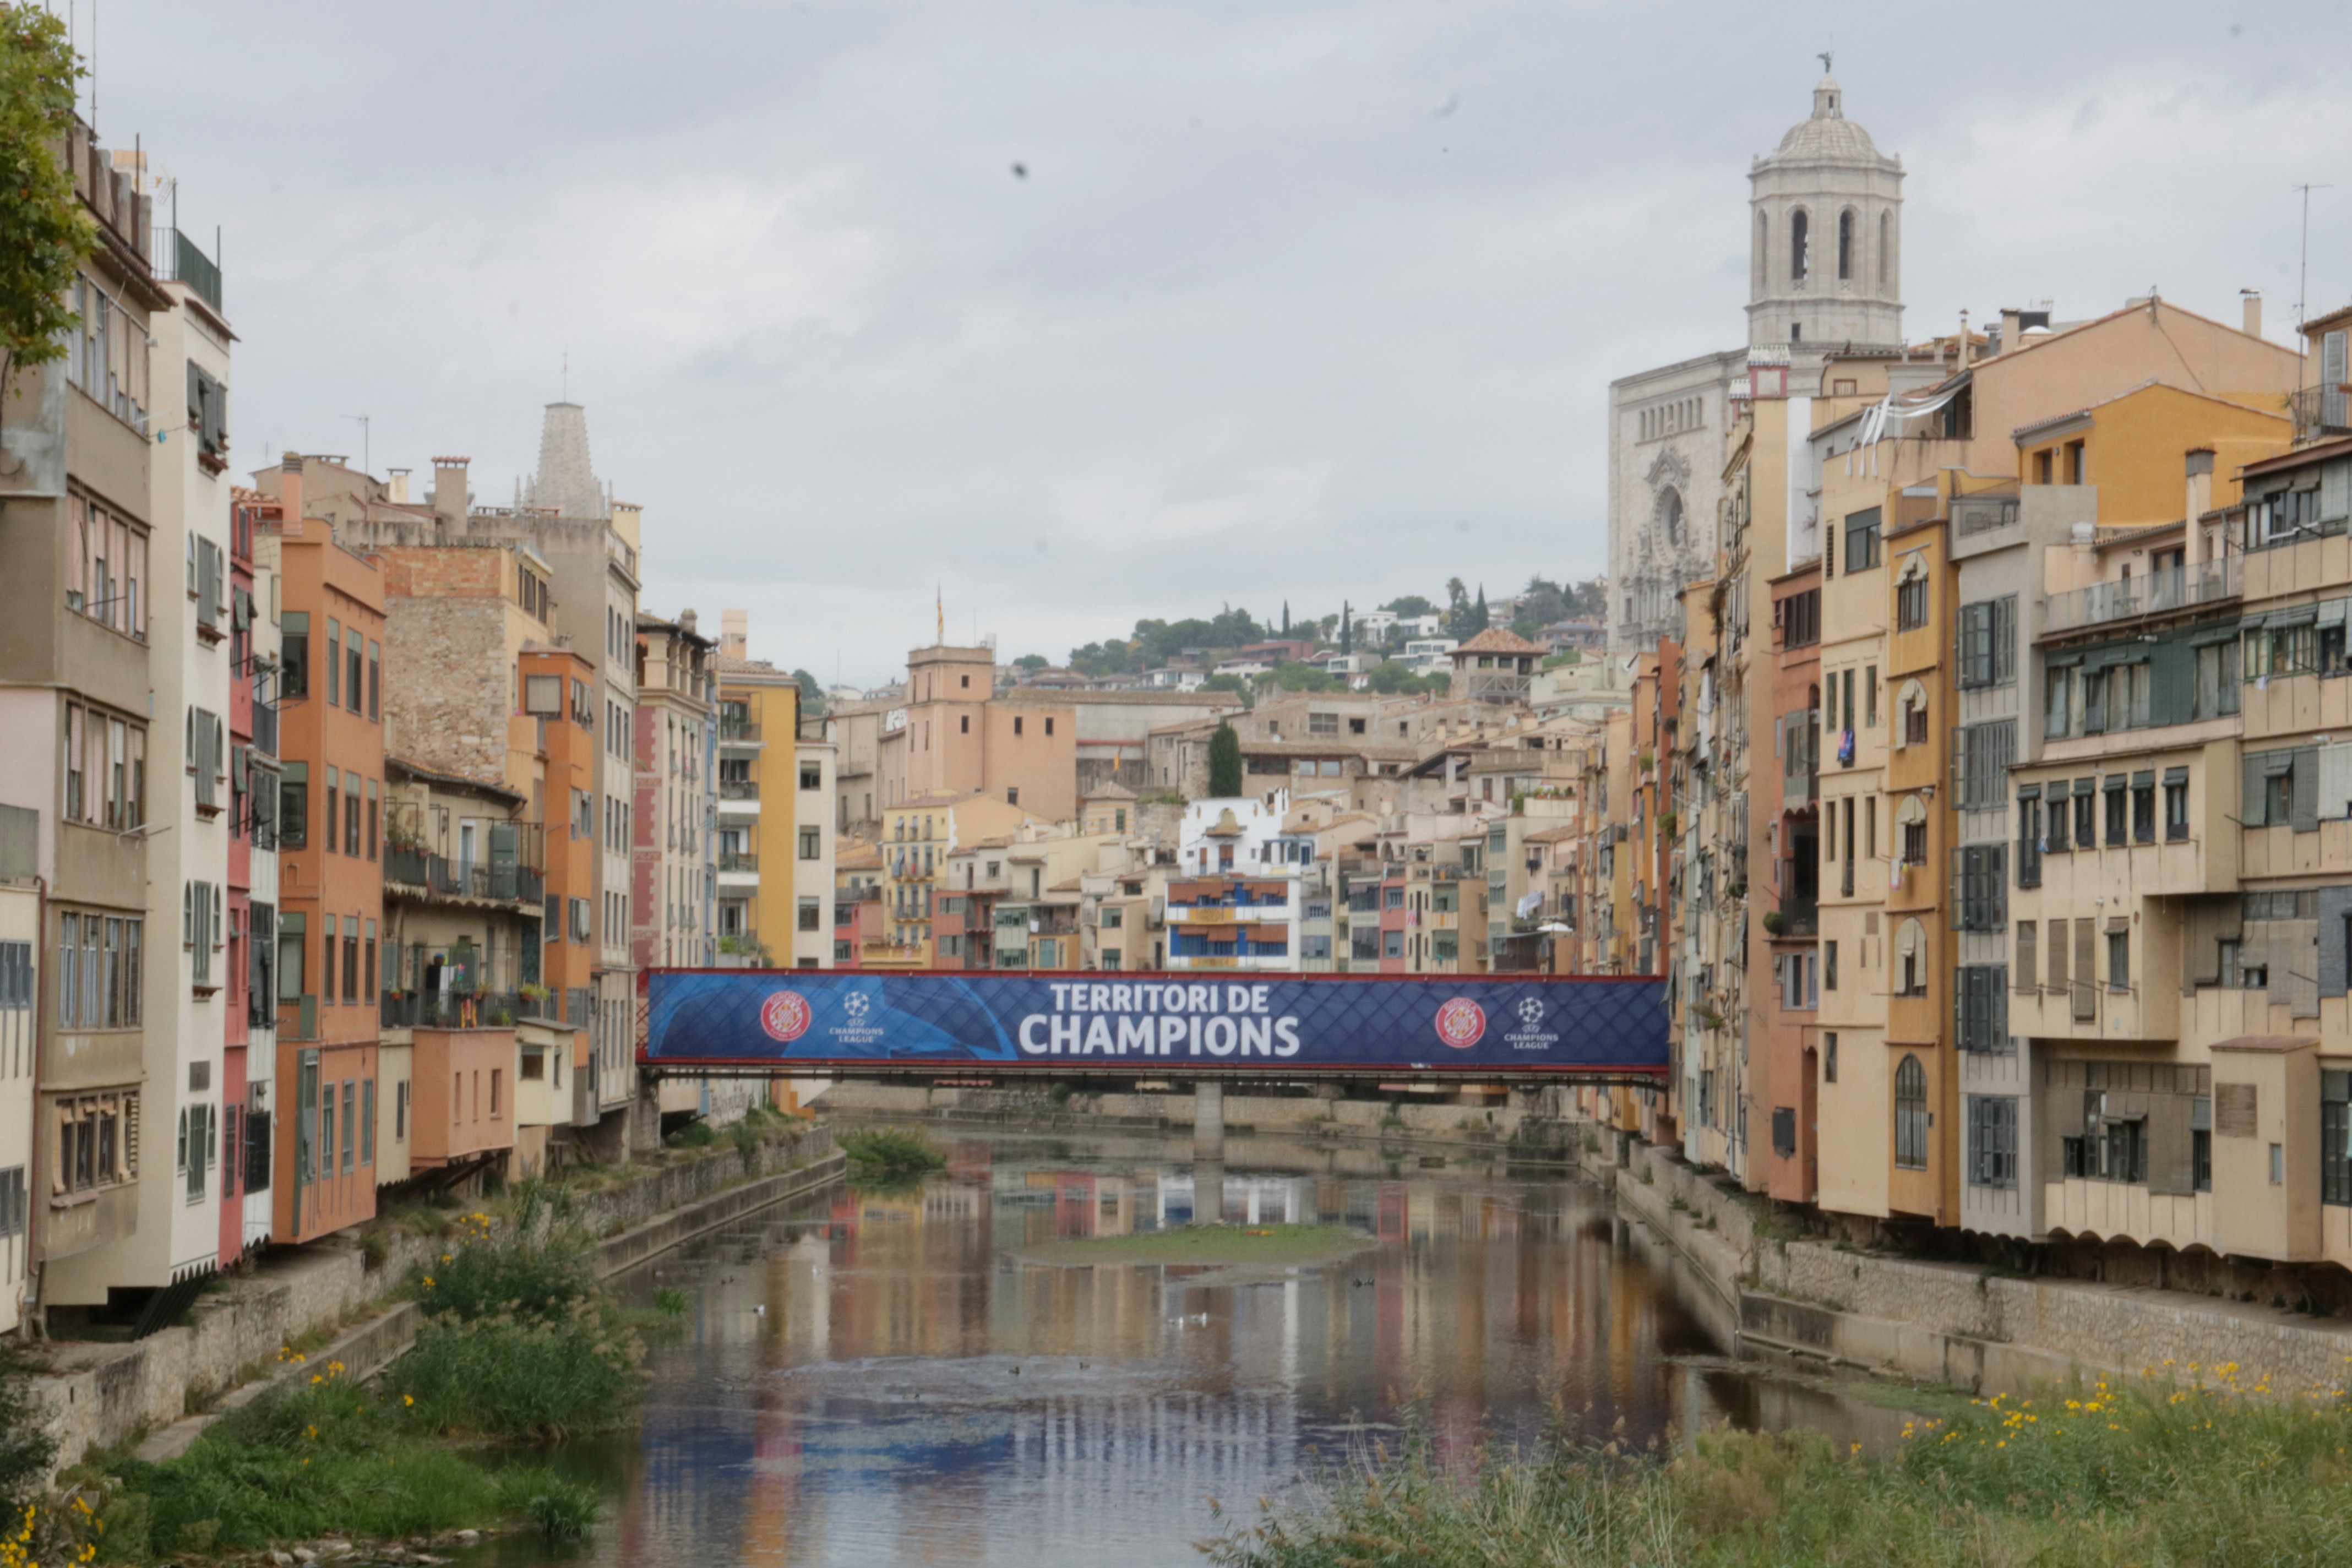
48	234
1347	628
1588	600
25	1447
1286	618
1233	683
1543	602
1457	596
1293	676
1033	661
811	695
1467	620
1225	762
1411	605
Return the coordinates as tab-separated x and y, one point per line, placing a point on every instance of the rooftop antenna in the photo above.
2303	278
567	376
366	462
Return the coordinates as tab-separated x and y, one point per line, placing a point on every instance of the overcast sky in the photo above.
1296	301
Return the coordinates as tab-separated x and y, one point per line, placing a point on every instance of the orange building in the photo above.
559	698
330	875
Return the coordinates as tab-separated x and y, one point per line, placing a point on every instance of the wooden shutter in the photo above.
2252	792
2307	789
2058	954
2086	947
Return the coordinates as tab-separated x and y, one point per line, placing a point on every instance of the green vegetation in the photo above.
1211	1245
878	1153
520	1341
48	234
26	1448
2222	1473
1225	762
1393	677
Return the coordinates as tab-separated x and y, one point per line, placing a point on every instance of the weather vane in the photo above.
1824	58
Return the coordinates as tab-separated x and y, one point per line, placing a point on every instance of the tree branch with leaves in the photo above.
47	233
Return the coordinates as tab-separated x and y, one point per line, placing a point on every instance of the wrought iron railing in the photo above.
2157	593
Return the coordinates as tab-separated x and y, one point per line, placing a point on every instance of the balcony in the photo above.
1800	917
738	733
739	860
438	876
2322	415
459	1010
738	789
177	260
265	718
2158	592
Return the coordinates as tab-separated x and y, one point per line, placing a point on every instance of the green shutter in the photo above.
2250	799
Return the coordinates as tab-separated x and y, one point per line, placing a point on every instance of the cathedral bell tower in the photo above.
1826	267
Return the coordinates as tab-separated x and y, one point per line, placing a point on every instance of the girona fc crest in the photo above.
1461	1023
785	1016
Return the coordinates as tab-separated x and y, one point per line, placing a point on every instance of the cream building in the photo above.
1824	273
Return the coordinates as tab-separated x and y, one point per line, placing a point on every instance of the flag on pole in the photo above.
943	616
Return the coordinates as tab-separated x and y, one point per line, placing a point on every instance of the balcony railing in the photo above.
738	731
265	719
459	1010
579	1006
1800	917
739	860
177	260
738	789
436	874
2174	588
2322	414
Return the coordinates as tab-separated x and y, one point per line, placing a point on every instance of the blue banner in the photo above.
1157	1023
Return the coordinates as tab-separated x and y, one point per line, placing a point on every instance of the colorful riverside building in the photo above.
249	1057
330	871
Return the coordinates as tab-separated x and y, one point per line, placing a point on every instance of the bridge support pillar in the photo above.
1208	1154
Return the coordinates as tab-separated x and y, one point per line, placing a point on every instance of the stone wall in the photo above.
447	682
104	1393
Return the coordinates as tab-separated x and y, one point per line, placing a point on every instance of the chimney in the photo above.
2251	301
450	497
2012	329
2201	486
1964	341
396	486
289	492
734	632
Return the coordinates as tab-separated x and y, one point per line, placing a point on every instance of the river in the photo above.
869	1378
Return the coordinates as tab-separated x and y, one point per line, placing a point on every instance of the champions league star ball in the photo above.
1531	1011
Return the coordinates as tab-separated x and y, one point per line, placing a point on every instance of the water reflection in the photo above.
868	1377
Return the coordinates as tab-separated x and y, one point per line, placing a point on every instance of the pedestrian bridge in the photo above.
1187	1024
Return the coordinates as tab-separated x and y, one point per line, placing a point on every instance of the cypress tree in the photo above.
1225	762
1347	628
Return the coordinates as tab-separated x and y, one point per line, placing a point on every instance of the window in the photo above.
2116	810
1828	1058
1016	724
2028	839
1911	603
813	774
2217	680
1992	1140
1800	618
1986	753
332	648
1392	944
350	1116
1989	642
1798	222
2027	965
2119	959
811	914
1829	963
812	843
367	1119
1981	1005
2086	831
376	681
1911	1115
2057	705
2334	1136
1911	959
1984	874
1861	543
2200	1142
2143	794
2175	803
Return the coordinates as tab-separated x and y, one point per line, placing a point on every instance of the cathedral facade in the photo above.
1824	274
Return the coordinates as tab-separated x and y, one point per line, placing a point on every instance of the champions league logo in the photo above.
1531	1011
785	1017
855	1005
1528	1036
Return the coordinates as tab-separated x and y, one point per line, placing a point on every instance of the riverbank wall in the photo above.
1981	1329
1528	1125
329	1297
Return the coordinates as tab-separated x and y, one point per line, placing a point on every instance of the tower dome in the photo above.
1827	234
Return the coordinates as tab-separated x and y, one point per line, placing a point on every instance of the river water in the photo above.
871	1378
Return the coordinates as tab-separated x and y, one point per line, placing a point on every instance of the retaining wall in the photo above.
103	1394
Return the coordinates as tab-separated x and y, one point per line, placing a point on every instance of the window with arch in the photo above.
1846	237
1798	223
1911	820
1886	253
1911	1115
1911	715
1763	246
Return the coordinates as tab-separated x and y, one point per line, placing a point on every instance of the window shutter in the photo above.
2170	1167
2086	939
2250	799
2307	789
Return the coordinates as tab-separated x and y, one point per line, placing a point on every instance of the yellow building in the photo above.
917	838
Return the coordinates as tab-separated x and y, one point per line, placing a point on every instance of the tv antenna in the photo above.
366	462
2303	278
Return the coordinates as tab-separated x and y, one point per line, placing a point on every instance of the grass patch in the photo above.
2177	1474
889	1152
1215	1246
520	1341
